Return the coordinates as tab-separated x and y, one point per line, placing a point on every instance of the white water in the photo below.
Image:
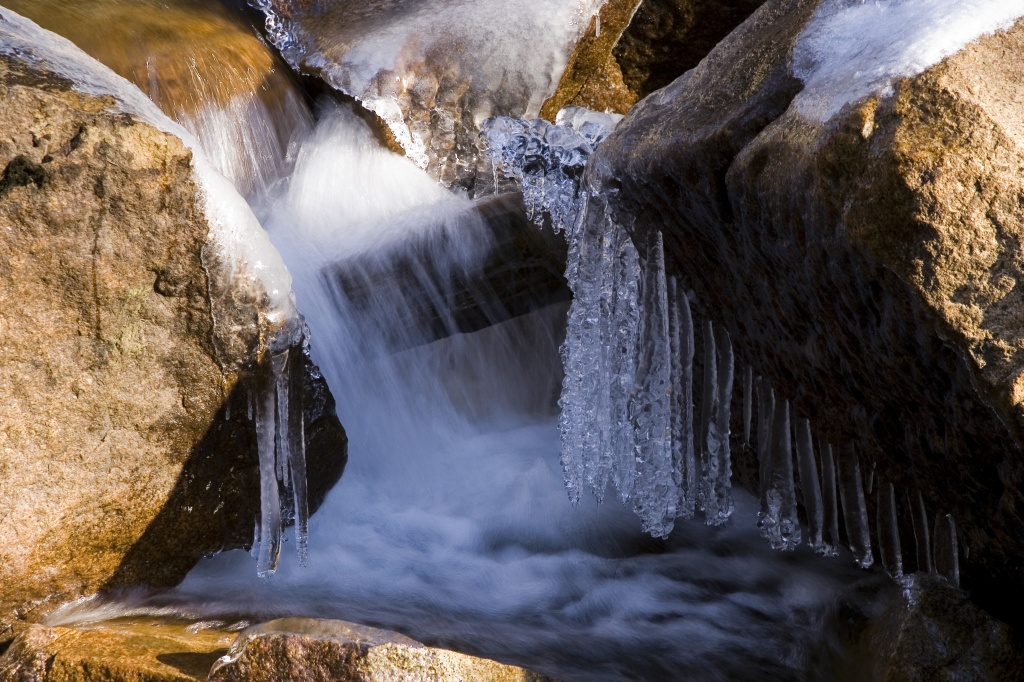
452	523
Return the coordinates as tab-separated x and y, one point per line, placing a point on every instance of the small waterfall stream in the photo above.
452	523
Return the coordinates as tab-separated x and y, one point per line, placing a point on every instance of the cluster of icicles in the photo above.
633	416
275	406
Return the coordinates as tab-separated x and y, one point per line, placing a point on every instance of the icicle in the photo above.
709	406
656	494
681	323
719	435
809	485
618	345
297	453
279	370
855	512
922	538
947	549
584	391
748	403
889	549
830	503
270	502
782	494
765	414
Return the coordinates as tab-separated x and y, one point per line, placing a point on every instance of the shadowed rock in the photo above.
864	263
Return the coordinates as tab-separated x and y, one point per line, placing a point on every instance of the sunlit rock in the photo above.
127	650
140	306
315	650
202	65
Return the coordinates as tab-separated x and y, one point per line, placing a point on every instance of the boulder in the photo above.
203	65
592	77
336	651
860	242
115	651
140	302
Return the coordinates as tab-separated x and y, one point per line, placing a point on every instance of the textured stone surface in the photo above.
126	452
115	651
866	265
592	77
315	650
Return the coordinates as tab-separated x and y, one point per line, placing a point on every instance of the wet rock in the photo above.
115	651
864	261
203	65
139	299
667	38
314	650
934	632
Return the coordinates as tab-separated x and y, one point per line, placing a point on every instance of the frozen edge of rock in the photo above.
242	247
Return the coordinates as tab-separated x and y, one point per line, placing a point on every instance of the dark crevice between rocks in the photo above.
667	38
216	499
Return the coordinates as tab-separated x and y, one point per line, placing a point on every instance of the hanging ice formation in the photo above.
629	415
547	159
281	443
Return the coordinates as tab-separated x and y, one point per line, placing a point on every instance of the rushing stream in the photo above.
452	523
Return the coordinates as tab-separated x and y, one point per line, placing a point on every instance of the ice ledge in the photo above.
851	49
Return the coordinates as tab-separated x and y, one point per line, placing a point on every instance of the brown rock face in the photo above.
866	265
201	64
315	650
126	452
593	78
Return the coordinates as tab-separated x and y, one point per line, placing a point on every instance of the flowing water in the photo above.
452	523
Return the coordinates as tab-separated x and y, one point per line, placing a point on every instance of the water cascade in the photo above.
451	523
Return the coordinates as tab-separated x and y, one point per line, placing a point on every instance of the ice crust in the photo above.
387	54
240	249
547	159
851	49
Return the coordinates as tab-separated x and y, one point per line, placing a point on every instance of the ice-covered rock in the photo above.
432	70
854	224
142	306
